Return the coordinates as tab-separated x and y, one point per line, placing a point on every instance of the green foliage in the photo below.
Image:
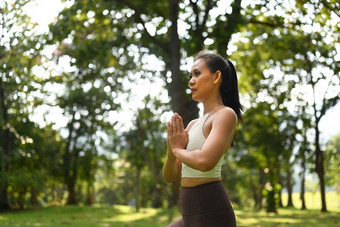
19	53
333	163
283	53
143	149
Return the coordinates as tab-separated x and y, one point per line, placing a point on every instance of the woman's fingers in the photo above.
169	128
177	128
177	135
178	123
181	123
173	123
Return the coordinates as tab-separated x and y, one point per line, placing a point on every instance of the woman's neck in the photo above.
208	108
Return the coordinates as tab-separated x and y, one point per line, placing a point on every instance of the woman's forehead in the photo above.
198	64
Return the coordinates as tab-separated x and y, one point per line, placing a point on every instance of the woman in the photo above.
196	153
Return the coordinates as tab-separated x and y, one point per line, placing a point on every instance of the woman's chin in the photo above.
195	98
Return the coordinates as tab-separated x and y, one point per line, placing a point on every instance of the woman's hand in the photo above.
178	137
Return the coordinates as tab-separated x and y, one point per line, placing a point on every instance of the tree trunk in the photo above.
89	194
271	206
271	203
319	159
255	194
289	187
157	198
4	157
70	164
319	166
21	199
280	204
279	179
262	182
71	179
34	197
137	189
231	27
180	101
71	198
303	172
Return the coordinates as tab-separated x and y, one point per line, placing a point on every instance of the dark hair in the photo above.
229	87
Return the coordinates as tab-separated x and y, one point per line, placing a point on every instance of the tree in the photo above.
309	55
19	52
88	112
128	32
332	164
133	30
143	147
263	139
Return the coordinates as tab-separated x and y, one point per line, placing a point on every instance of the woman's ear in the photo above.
217	77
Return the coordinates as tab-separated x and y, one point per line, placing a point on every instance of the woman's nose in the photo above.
191	81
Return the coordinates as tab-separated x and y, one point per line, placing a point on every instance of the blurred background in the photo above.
87	86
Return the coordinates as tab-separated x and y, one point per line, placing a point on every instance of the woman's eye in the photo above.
195	74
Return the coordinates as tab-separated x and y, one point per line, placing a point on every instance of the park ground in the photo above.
125	216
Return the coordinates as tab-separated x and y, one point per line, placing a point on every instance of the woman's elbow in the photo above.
169	177
205	166
170	180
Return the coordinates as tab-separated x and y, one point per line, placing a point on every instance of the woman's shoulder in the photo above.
225	114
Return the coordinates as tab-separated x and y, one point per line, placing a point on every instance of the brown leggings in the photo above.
205	205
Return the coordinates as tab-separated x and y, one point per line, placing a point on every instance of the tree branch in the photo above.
336	11
196	12
210	5
200	26
331	102
139	19
271	24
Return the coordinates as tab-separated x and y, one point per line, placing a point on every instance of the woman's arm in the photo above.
172	166
218	141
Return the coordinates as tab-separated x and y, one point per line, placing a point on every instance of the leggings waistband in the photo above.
202	185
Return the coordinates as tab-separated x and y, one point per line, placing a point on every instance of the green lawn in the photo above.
124	216
288	217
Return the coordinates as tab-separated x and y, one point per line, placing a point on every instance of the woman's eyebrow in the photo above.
195	69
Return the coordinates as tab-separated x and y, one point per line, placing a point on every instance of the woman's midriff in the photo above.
192	182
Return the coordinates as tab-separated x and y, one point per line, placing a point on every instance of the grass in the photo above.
288	217
124	216
97	215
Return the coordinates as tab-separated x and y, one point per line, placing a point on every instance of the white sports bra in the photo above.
196	141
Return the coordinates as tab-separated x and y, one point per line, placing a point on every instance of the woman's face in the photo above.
201	81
